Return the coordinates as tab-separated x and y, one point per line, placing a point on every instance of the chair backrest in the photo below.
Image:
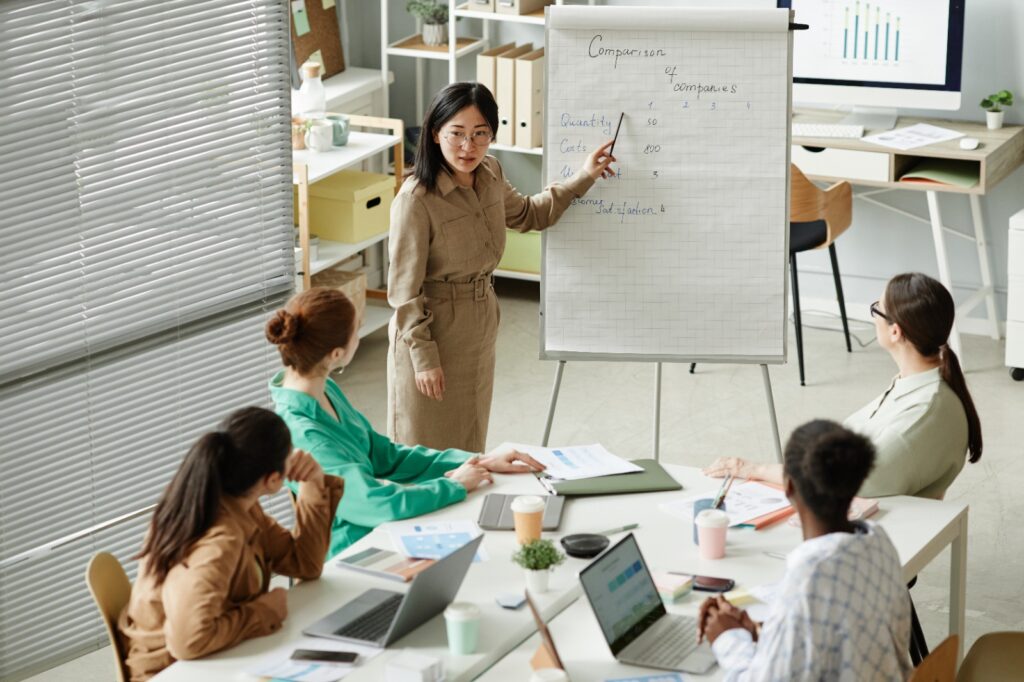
808	203
111	590
940	664
995	656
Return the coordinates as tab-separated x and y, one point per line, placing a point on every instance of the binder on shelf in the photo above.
487	66
519	6
480	5
529	99
505	93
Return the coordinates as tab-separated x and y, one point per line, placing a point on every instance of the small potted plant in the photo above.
538	558
993	106
299	128
435	19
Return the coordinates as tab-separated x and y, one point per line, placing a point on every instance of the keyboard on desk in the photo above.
827	130
374	624
665	644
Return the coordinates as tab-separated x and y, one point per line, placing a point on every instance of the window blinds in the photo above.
145	236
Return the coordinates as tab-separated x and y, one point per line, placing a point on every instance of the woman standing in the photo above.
447	235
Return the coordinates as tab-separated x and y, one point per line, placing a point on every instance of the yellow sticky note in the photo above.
328	4
318	58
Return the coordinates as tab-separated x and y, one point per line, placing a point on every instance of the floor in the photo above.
721	410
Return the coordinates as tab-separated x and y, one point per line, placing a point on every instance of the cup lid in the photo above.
528	503
462	610
712	518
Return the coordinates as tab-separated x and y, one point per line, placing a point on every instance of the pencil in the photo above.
725	492
617	129
720	495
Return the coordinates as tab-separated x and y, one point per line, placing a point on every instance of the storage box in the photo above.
352	284
350	206
522	252
520	6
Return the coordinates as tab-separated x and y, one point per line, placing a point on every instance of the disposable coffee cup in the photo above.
712	525
462	619
698	507
528	517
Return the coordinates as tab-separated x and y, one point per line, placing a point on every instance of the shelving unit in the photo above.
308	167
536	18
413	46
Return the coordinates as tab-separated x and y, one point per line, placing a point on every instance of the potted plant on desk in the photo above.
993	106
538	558
435	19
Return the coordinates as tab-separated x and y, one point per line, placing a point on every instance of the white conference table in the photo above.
919	528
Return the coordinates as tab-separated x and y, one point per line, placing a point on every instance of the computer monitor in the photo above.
878	56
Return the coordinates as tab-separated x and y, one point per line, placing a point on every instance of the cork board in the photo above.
322	36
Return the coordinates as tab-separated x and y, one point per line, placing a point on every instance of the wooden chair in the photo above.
816	219
940	665
995	656
111	590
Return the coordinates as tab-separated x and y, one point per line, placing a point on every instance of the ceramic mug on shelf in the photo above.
319	137
340	128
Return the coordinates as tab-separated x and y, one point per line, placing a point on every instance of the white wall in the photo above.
880	243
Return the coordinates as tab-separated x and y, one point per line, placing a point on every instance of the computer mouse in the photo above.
584	545
968	143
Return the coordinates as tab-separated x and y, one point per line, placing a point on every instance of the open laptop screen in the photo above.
622	593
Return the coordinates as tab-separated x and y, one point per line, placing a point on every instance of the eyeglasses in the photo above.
876	312
480	138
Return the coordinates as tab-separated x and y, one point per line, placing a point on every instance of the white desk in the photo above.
919	528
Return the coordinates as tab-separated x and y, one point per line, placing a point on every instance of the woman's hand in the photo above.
302	468
598	163
470	474
277	600
729	466
430	382
507	460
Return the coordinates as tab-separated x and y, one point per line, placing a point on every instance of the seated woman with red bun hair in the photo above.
317	333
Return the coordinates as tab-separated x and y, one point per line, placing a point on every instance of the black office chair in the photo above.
816	219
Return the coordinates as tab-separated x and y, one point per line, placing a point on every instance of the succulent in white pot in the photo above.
993	106
538	559
435	19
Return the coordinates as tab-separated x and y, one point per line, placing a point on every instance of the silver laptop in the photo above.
380	617
632	617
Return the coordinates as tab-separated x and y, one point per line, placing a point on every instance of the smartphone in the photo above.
708	584
324	656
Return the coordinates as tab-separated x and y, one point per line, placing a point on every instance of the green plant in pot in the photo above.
993	106
434	15
538	558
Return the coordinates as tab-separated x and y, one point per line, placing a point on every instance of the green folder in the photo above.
653	478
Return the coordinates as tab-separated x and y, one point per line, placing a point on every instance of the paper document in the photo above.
279	665
745	501
578	461
913	136
433	539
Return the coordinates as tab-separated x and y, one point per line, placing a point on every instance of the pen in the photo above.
544	482
623	529
716	502
616	138
728	484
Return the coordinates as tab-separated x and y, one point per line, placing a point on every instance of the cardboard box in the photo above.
350	206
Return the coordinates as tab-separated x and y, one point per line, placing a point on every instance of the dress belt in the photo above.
475	288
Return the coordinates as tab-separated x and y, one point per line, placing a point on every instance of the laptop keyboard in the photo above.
374	624
669	645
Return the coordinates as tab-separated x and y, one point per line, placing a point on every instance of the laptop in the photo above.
380	617
496	512
633	618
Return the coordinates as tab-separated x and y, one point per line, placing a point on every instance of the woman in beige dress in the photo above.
447	235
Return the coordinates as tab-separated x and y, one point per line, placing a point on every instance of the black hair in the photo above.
827	464
251	443
924	310
452	99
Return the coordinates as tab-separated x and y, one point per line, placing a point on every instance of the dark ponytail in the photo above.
827	464
924	310
251	443
452	99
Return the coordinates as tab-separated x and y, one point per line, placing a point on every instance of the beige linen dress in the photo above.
444	247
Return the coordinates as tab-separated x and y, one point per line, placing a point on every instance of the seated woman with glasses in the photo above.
447	235
924	422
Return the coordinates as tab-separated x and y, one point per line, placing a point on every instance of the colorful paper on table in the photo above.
757	601
577	462
385	564
956	172
433	539
750	502
918	135
279	665
299	17
663	677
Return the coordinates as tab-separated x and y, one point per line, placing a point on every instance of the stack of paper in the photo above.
749	503
578	461
279	665
433	539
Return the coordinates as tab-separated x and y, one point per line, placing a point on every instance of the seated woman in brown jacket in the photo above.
207	559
